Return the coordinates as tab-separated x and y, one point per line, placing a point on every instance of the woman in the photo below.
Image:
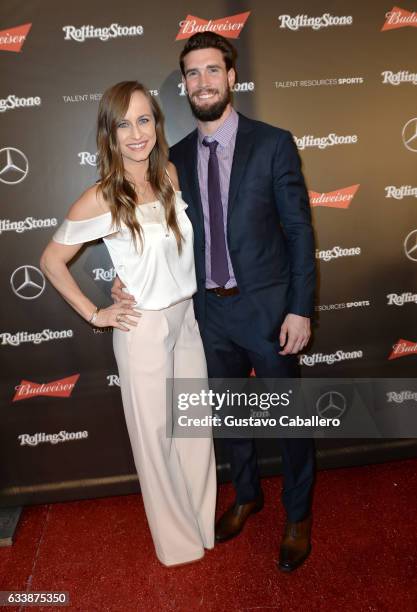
142	220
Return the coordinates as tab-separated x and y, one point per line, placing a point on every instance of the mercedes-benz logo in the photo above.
410	135
410	245
27	282
331	405
14	166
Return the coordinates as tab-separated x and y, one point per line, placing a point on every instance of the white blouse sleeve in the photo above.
78	232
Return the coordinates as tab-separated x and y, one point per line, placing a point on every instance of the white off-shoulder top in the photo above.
157	276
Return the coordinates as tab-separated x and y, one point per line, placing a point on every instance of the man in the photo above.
255	267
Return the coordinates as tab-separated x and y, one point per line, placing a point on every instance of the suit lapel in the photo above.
191	173
243	148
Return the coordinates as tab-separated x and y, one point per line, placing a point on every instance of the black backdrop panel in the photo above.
340	75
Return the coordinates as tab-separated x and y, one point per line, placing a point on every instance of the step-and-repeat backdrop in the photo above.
342	76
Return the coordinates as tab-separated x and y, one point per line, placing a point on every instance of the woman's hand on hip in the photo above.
118	315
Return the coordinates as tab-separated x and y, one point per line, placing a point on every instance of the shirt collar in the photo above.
225	132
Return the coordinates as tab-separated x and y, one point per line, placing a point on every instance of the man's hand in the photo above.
121	296
295	334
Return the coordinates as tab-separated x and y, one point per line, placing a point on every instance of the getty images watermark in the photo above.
261	403
304	408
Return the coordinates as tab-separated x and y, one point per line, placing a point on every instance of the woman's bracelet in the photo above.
93	317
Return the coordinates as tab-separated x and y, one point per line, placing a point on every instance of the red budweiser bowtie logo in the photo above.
399	18
13	38
229	27
403	348
341	198
57	388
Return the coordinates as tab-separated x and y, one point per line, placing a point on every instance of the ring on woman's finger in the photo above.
119	318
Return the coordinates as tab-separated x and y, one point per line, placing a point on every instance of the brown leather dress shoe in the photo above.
295	545
231	523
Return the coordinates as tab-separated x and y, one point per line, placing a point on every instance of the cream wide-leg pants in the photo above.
177	475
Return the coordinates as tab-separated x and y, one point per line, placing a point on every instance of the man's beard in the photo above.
213	112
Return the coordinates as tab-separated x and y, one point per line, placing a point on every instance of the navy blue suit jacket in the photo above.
269	232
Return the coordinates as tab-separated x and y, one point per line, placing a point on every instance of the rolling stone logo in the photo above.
403	348
396	78
322	142
14	38
87	158
341	198
58	388
336	252
315	23
86	32
229	27
399	18
12	102
242	87
54	438
113	380
24	225
398	193
329	358
22	337
104	275
401	396
395	299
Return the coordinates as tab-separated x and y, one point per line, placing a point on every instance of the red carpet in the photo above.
364	553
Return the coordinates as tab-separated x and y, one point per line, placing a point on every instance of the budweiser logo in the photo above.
403	348
13	38
57	388
230	27
399	18
341	198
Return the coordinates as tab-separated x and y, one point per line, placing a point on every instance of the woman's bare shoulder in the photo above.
90	204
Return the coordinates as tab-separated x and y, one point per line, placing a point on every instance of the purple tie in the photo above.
218	253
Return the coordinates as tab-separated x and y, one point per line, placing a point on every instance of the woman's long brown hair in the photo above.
116	189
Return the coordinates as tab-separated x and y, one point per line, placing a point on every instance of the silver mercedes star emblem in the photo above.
410	135
410	245
27	282
14	166
331	405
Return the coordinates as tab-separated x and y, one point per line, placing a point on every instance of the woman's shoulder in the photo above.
90	204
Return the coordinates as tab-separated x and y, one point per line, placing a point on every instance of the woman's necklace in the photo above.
142	192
